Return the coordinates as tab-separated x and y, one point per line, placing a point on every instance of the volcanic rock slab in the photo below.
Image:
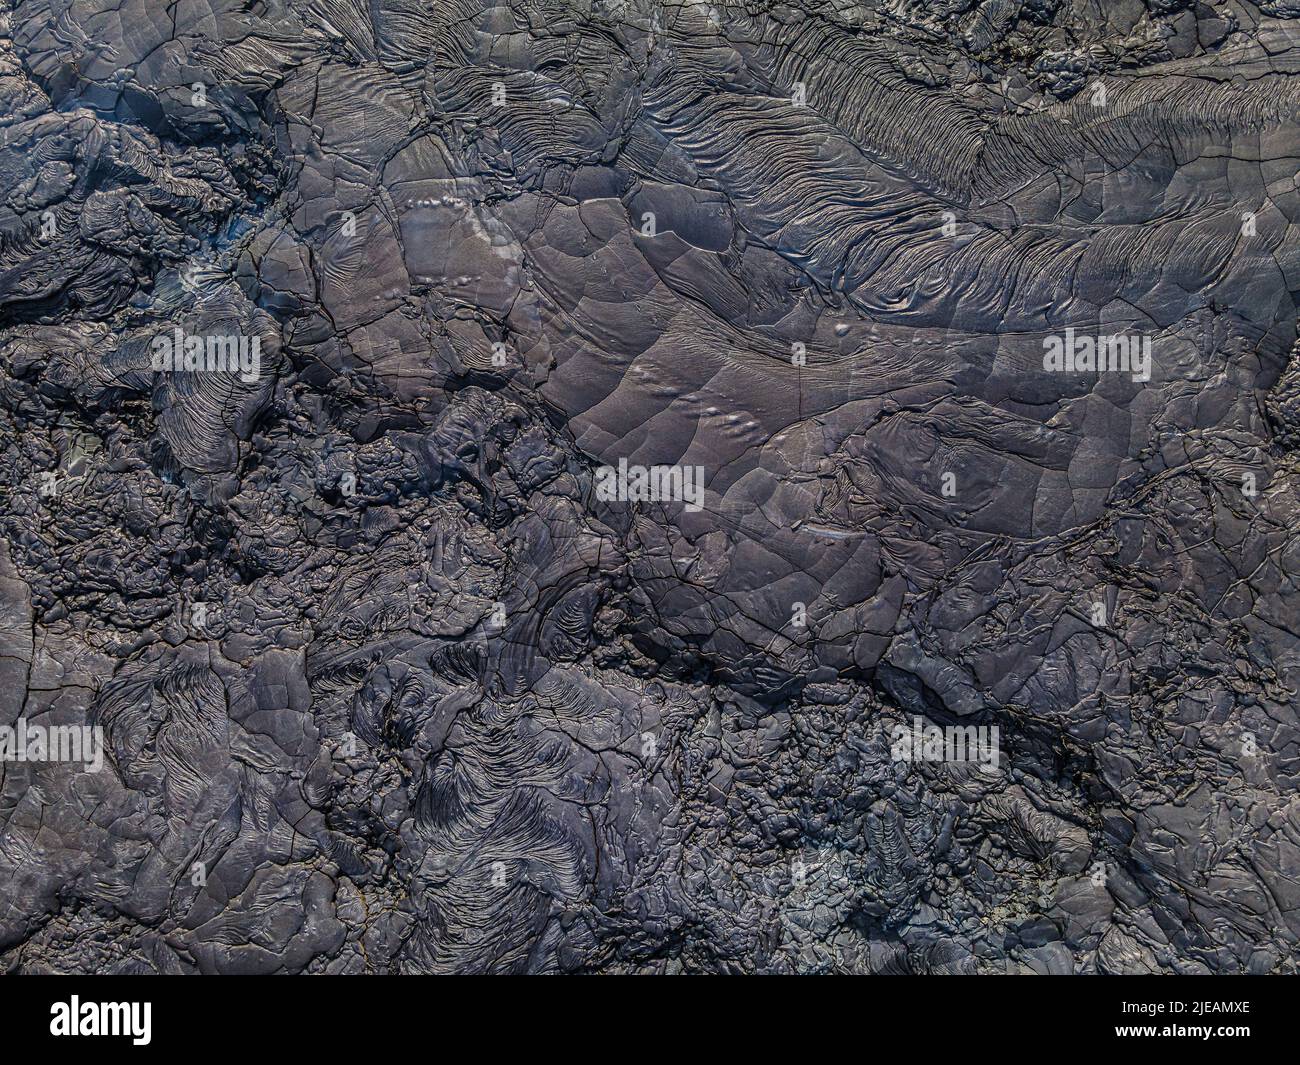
566	486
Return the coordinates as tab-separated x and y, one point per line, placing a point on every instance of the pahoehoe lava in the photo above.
628	486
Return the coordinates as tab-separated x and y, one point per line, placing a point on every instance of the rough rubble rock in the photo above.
385	683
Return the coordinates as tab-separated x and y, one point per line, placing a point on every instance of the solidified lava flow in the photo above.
628	486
